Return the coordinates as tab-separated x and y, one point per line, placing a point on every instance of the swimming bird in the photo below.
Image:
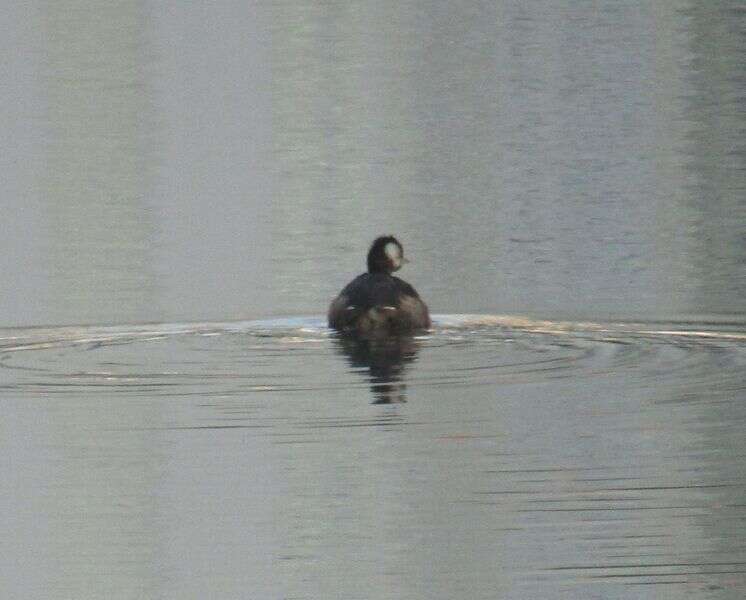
377	301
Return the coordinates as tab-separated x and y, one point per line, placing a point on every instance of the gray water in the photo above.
185	187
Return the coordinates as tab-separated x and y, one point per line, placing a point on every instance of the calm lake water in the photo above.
186	187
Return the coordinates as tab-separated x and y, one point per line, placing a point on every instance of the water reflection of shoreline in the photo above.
386	359
100	162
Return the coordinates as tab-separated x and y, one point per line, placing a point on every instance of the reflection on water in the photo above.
554	161
716	156
579	163
530	458
99	163
385	358
541	160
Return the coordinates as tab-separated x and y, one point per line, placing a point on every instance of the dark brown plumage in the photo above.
378	301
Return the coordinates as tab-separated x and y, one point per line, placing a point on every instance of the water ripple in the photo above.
598	453
461	350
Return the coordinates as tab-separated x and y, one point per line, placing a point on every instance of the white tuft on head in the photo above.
393	251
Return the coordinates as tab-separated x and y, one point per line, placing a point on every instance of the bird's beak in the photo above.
404	261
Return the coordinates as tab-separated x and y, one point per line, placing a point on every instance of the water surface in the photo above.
493	455
186	187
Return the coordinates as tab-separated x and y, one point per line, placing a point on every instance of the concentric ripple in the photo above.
295	354
546	453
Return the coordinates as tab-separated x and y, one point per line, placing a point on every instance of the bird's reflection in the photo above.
386	358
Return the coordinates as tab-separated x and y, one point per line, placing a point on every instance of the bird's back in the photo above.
378	301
